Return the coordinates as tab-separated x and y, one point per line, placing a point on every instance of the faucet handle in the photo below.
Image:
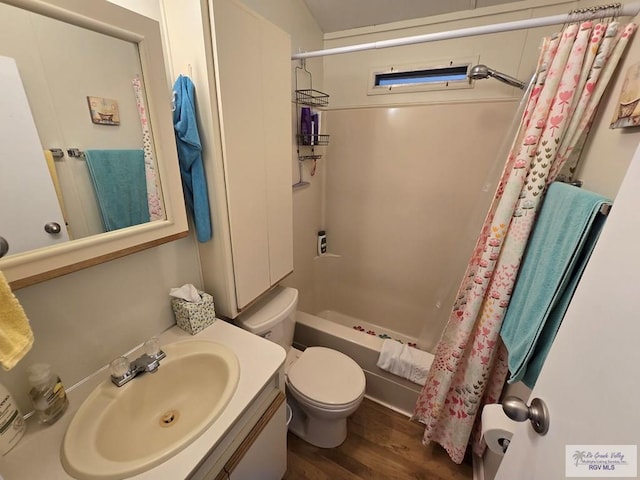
119	367
152	347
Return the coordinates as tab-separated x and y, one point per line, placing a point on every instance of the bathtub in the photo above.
335	330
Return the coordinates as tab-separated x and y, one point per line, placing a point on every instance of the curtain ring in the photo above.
617	9
574	17
606	11
603	12
570	17
584	14
609	12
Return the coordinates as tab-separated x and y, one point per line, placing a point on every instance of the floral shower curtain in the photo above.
470	364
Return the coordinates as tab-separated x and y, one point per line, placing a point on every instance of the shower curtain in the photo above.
470	368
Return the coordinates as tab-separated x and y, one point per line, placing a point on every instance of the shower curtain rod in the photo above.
630	9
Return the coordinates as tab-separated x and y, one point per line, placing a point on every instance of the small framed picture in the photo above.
104	111
627	113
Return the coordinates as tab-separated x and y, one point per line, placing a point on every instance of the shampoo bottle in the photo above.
322	242
315	127
12	424
47	393
305	126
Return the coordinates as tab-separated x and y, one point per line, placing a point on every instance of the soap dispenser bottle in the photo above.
12	424
47	393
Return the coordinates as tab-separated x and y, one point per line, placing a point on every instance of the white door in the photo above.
591	378
28	199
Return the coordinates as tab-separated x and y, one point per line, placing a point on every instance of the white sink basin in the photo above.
121	431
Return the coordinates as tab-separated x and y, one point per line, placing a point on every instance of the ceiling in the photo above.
336	15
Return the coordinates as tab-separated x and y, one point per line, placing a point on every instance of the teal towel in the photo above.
194	181
121	188
562	240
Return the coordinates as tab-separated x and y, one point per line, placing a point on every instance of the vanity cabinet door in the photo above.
266	457
254	67
263	452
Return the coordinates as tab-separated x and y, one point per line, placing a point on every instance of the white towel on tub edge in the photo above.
405	361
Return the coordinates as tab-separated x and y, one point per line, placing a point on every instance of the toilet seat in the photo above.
327	378
321	406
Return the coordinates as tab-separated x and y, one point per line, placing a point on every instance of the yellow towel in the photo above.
16	336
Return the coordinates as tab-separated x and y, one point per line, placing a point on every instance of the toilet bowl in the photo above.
323	385
326	386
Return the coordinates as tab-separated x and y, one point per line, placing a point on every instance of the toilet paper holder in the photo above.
537	412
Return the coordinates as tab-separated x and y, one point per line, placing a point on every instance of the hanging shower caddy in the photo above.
306	142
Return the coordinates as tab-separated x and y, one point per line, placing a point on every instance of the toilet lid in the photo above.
327	376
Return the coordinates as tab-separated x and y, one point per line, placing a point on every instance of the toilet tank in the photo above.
273	316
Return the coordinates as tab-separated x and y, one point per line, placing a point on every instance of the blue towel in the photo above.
121	187
559	247
194	182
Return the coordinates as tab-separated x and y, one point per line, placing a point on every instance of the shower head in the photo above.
482	71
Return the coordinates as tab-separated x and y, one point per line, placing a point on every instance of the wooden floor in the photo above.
381	444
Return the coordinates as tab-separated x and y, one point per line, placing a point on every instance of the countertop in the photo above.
37	455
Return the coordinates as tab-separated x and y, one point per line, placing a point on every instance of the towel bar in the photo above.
604	209
75	152
57	152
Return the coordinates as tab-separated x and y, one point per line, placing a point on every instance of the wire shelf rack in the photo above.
311	97
312	139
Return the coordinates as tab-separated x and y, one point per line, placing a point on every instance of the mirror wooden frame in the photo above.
28	268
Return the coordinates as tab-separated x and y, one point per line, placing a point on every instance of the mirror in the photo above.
53	89
81	78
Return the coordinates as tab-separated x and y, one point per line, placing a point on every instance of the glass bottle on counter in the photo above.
47	393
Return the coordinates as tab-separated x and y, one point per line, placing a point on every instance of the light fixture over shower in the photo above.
482	71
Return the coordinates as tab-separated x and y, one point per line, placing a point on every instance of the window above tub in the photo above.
445	74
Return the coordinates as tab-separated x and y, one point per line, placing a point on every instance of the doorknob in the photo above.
52	228
537	412
4	247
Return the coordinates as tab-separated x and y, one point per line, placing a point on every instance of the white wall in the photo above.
347	76
404	203
148	8
405	176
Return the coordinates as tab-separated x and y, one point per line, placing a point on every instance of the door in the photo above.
28	199
590	378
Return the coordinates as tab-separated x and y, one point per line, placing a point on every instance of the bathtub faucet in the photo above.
122	371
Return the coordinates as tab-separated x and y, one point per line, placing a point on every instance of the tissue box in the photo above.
194	317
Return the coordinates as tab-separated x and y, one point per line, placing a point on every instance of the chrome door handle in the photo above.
52	228
4	247
537	412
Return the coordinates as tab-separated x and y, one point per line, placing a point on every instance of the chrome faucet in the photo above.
122	371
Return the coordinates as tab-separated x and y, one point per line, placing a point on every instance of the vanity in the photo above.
247	440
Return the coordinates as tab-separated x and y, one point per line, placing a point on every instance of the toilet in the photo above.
323	385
